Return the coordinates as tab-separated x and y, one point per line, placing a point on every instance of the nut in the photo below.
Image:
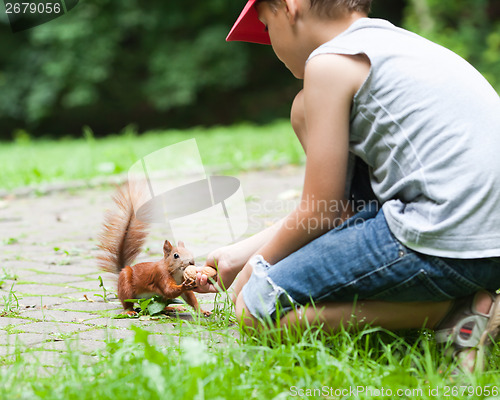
191	271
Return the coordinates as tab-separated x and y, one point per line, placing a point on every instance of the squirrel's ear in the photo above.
167	248
180	244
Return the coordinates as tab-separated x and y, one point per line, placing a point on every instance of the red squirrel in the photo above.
121	242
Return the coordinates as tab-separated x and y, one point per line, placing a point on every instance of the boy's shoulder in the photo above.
349	70
337	70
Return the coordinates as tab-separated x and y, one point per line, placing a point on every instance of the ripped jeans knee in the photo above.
263	297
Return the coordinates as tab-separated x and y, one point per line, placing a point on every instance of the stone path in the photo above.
50	299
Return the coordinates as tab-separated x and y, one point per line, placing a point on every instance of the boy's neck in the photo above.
321	30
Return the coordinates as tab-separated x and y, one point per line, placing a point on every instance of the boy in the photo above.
424	129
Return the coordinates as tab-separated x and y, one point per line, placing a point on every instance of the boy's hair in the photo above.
331	8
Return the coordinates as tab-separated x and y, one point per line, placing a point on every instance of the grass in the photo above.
10	303
27	162
217	360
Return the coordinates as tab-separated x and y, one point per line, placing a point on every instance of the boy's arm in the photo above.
330	83
230	260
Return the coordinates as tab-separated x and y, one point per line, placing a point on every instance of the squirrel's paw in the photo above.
207	313
189	284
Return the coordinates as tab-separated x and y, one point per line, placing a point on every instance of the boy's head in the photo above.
330	8
248	27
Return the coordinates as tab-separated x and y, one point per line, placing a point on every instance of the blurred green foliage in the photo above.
163	64
470	28
125	57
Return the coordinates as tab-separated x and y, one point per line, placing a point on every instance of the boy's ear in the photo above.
167	248
292	9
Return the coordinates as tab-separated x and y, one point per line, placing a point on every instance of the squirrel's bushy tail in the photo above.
123	235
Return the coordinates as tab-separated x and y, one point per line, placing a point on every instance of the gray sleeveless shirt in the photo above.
428	126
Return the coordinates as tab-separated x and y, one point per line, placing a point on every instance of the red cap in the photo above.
248	27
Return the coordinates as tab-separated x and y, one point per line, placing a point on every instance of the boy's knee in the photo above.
298	119
239	305
243	313
297	115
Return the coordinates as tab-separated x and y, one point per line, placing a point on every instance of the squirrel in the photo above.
121	242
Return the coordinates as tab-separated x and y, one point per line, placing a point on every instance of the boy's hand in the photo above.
226	273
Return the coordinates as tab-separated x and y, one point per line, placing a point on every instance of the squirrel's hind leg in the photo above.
126	290
193	302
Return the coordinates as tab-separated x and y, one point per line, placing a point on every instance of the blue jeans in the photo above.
361	259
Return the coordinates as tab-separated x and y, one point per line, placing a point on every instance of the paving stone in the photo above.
44	358
6	321
162	328
57	316
108	278
5	350
29	251
163	340
34	289
18	266
73	269
25	339
71	281
41	301
100	322
73	344
54	329
106	334
207	298
86	284
89	306
84	297
18	327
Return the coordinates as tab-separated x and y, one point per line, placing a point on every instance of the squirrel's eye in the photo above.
176	255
